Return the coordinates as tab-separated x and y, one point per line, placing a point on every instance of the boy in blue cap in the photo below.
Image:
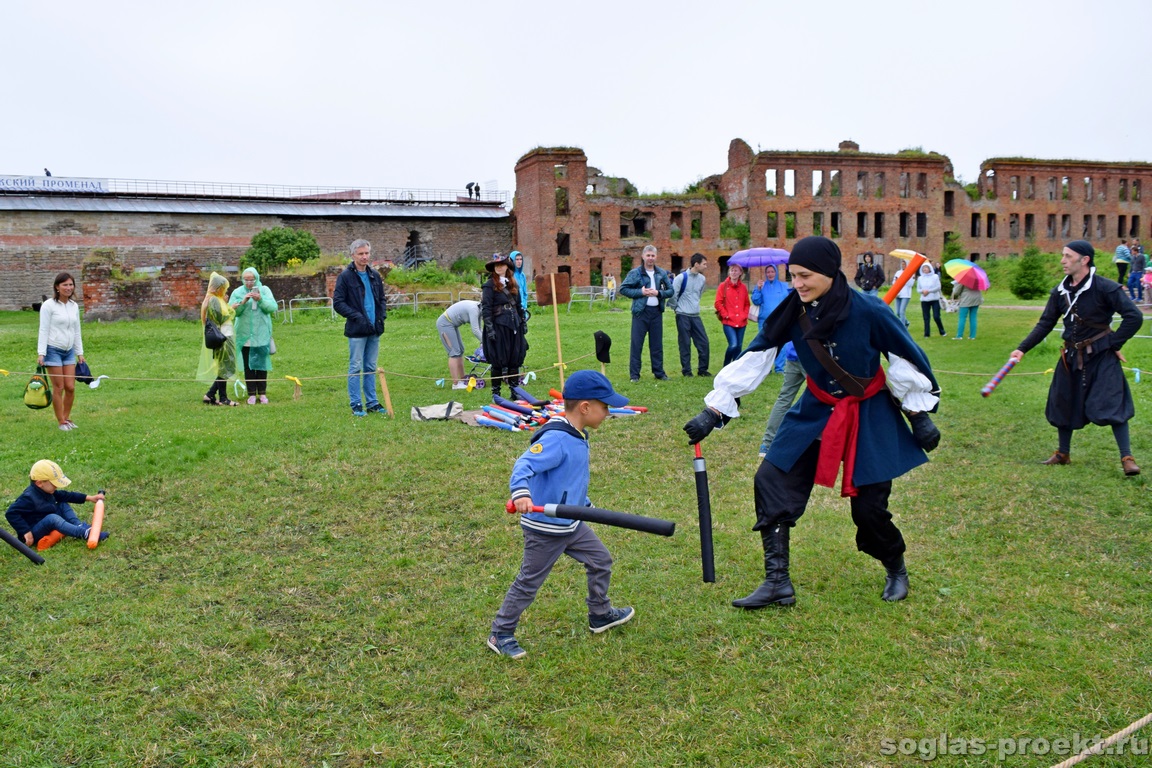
554	470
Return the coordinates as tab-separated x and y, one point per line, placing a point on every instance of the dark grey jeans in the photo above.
541	553
690	331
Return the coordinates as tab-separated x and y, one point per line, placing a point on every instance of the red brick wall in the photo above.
35	245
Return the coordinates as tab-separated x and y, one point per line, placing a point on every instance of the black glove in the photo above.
701	426
490	335
925	432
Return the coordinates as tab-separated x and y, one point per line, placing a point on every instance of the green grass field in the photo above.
289	586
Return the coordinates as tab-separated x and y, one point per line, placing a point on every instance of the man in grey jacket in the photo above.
686	291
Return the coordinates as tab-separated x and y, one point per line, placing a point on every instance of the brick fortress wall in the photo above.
36	245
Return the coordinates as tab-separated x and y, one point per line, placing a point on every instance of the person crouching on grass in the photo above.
42	515
555	470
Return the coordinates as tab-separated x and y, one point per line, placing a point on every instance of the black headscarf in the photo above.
1084	248
822	256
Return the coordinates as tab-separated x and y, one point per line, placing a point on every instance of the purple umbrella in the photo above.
759	257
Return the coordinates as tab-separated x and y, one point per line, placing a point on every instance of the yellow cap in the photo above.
50	471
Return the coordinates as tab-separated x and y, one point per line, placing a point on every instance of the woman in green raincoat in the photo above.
217	365
254	307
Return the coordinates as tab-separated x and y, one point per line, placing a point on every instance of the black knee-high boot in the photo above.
896	586
777	587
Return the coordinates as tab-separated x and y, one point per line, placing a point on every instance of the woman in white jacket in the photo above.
60	346
928	284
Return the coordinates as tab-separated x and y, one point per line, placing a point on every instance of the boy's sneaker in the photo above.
615	617
506	645
358	411
376	408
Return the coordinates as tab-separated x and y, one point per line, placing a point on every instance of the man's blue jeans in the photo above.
362	354
66	522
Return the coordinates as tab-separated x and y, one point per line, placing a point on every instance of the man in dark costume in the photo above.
1088	385
847	415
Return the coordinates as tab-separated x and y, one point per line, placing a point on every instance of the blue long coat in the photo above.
885	447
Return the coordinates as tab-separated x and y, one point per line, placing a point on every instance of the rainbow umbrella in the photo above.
967	274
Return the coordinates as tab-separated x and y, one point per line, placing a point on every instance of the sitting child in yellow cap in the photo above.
42	515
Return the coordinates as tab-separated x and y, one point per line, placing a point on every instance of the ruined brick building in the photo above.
570	217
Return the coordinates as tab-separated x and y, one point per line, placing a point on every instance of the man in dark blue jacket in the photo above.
359	299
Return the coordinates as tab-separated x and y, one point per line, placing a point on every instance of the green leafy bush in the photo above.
736	230
272	248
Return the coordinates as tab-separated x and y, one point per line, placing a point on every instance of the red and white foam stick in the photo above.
994	382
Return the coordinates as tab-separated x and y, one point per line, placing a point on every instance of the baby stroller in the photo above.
480	367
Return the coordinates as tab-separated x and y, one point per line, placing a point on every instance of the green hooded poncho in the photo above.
254	322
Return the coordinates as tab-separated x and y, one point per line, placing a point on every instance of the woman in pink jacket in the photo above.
732	305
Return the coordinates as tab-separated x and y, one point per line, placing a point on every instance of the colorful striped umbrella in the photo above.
967	274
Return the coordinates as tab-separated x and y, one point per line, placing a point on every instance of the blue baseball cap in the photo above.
592	385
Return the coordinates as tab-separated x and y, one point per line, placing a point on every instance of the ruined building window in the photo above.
835	225
921	185
1087	189
1014	226
1014	187
990	228
990	257
990	184
1135	190
1029	225
921	225
949	203
1065	225
790	224
834	183
818	183
1051	187
675	226
1135	231
562	245
1102	190
773	224
818	223
1101	226
697	225
594	226
561	201
1122	226
861	224
862	184
770	182
1051	225
880	184
975	225
560	171
973	257
625	225
1030	188
903	184
1086	232
1065	188
904	220
1122	190
790	183
878	225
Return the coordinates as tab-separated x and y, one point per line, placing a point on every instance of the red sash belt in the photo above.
838	443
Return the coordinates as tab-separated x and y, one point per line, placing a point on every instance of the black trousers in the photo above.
650	323
257	381
782	497
934	308
690	331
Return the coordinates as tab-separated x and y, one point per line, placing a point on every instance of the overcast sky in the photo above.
432	95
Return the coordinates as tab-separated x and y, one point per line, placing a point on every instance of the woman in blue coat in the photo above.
845	415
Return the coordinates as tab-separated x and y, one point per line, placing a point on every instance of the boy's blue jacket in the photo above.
34	505
554	470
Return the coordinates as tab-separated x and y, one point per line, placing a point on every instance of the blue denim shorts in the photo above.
58	357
